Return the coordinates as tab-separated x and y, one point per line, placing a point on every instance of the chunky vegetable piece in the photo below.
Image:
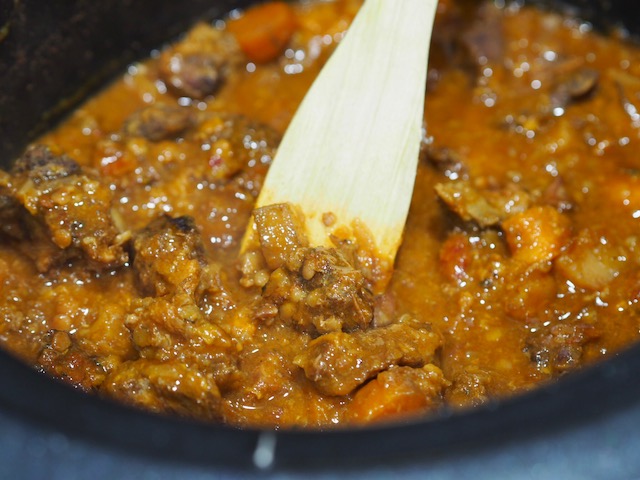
264	30
120	230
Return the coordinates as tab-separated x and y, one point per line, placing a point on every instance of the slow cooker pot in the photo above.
52	55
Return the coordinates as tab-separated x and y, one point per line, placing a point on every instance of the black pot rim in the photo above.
580	395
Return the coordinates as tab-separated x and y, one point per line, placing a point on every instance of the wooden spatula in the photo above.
350	153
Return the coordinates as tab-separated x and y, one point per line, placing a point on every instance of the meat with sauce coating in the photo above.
64	208
199	64
339	362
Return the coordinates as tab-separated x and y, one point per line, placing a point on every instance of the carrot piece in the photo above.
264	30
397	392
536	235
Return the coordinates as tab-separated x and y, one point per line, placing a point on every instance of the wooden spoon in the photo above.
351	150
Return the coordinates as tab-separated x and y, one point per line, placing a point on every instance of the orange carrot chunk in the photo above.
398	392
264	30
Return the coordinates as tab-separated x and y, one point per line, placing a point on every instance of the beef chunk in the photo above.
159	122
238	145
559	349
265	373
469	388
64	212
445	160
170	267
574	86
198	65
280	232
62	359
40	165
156	323
10	213
485	39
205	146
168	387
319	290
194	75
169	322
487	206
339	362
168	256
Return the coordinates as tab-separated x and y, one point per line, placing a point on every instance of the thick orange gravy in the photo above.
119	247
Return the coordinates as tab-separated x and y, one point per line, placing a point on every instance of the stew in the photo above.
119	241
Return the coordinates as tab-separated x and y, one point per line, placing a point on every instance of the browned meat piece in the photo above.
473	386
486	206
468	389
564	83
10	213
280	233
40	165
485	39
62	359
159	122
157	323
264	374
339	362
71	212
170	324
446	161
236	145
194	75
29	235
168	387
228	150
319	290
168	256
172	335
559	349
557	195
574	86
170	267
198	65
399	391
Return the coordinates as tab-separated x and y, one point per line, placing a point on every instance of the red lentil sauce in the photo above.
119	251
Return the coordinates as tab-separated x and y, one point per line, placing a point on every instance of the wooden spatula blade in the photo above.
352	147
